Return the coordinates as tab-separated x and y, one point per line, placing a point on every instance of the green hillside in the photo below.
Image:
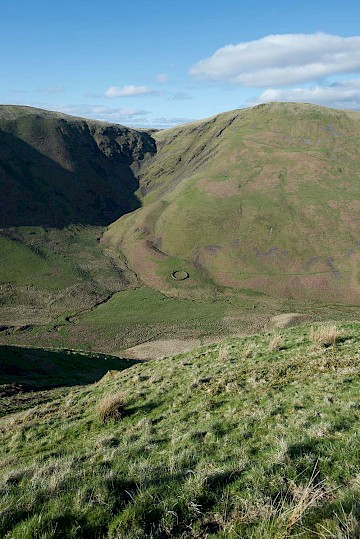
251	438
265	199
256	208
48	273
242	225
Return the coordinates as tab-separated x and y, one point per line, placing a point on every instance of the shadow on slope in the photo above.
84	186
36	368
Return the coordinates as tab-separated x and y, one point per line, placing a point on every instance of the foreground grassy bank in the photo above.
254	437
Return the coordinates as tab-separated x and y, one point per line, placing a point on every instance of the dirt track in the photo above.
164	348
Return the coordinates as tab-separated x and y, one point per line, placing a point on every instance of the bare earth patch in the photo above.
143	257
223	189
286	320
165	347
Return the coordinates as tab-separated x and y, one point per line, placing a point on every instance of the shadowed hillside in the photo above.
39	368
56	170
265	199
28	374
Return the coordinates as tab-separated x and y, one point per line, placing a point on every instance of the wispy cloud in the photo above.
282	60
162	78
180	96
129	91
52	89
342	95
131	117
44	90
170	121
98	112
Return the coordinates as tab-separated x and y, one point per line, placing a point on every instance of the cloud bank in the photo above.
282	60
342	95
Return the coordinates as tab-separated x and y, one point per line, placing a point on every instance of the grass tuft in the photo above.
305	498
325	335
248	350
223	354
275	342
111	408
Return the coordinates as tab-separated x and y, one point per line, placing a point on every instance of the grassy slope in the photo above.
264	198
52	272
233	440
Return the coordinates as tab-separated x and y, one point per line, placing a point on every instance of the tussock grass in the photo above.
248	350
275	342
304	497
223	354
110	408
325	335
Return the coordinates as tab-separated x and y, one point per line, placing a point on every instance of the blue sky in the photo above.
159	63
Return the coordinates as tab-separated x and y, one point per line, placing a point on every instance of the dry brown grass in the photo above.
275	342
223	354
248	350
111	407
308	496
325	335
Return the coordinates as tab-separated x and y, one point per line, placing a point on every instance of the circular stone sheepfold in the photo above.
180	275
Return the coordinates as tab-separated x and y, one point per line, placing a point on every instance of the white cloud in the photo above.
342	95
162	78
281	60
129	91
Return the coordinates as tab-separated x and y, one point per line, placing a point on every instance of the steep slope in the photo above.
56	169
59	177
265	199
253	437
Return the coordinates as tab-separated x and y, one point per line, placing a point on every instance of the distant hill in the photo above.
265	199
57	170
